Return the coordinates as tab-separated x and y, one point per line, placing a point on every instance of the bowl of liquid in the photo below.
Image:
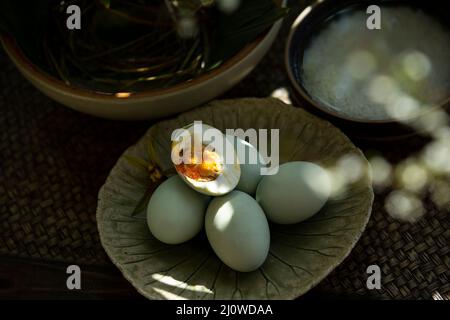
376	69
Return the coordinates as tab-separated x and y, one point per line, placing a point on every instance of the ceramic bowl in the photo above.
307	24
151	104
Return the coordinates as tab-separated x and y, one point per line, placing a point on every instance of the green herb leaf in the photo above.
137	162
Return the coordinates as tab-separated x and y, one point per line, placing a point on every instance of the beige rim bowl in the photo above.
152	104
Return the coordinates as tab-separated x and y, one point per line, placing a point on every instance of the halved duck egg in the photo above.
205	159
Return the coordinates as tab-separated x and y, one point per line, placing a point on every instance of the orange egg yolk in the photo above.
206	169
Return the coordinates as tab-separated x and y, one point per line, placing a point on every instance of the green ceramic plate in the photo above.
300	255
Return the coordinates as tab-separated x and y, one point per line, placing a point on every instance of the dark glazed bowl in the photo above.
308	23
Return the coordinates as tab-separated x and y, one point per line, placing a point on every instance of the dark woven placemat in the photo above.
54	160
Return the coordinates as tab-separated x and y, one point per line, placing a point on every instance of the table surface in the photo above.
54	160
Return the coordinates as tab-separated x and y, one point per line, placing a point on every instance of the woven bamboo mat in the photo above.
54	160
